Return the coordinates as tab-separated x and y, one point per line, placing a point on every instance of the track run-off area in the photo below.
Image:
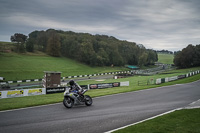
106	113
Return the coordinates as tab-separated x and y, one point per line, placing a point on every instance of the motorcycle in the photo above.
72	98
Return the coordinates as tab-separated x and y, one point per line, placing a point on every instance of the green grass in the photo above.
32	66
182	121
166	58
6	46
29	101
21	102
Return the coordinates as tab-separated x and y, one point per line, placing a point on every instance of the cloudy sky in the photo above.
157	24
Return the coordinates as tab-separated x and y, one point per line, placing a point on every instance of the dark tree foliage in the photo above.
30	45
53	44
94	50
20	39
188	57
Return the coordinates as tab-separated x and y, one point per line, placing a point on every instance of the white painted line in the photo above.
29	107
195	107
143	120
194	102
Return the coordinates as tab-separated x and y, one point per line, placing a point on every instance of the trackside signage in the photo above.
55	90
104	85
33	92
21	93
15	93
108	85
43	91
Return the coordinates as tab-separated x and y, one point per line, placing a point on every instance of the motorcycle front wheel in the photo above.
68	102
88	100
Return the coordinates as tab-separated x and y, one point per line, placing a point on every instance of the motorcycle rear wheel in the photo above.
68	102
88	100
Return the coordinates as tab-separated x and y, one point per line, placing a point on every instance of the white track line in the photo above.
143	120
29	107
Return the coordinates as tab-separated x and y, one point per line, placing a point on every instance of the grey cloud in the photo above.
157	24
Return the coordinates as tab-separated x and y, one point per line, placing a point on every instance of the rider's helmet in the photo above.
71	82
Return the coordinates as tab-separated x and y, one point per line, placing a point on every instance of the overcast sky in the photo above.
157	24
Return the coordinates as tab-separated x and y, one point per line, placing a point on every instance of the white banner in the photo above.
126	83
2	78
173	78
158	81
167	79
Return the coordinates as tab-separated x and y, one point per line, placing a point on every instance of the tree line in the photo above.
94	50
188	57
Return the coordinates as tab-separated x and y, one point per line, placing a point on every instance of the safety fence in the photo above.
168	79
146	82
43	91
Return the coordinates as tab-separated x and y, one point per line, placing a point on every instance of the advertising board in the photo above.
32	92
55	90
15	93
104	85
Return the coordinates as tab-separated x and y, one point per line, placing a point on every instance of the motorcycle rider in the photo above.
74	87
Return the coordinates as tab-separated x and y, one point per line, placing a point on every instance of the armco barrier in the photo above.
68	77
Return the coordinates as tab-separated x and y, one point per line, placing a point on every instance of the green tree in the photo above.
152	57
87	54
143	59
102	57
20	39
53	45
42	39
100	50
30	45
185	58
197	56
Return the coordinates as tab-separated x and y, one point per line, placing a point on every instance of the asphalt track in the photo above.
106	113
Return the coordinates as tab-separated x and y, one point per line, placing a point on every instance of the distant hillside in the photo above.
164	52
7	47
93	50
32	66
166	58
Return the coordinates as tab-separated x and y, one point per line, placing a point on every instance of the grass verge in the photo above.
181	121
32	66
